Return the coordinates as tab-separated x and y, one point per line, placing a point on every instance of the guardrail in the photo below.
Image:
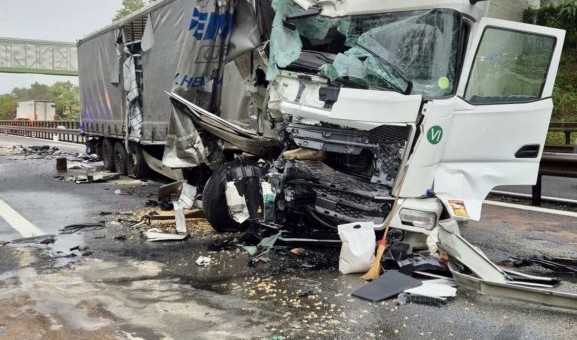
553	164
566	128
558	160
63	131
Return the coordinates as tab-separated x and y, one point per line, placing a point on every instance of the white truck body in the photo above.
36	110
474	94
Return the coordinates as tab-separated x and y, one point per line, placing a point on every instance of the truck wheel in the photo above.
108	154
214	199
120	158
136	166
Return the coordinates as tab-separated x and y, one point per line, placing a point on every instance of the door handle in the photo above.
528	151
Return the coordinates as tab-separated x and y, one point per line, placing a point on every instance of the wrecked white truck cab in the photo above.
400	115
389	112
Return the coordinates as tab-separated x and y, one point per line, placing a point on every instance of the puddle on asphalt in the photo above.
62	249
96	294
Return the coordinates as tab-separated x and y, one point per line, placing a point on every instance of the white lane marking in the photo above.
531	208
18	222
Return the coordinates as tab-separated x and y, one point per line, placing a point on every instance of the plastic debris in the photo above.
297	251
358	248
434	290
120	191
405	298
263	247
203	261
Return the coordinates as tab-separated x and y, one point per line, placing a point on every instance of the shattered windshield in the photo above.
409	52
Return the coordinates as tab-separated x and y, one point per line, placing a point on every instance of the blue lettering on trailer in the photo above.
209	26
188	81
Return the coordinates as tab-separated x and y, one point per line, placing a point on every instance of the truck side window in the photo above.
509	67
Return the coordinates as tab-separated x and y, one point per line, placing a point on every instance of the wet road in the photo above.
118	286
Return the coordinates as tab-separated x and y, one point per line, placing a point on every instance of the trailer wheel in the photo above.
120	158
108	154
136	166
214	199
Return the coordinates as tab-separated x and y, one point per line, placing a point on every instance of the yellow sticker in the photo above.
459	209
444	83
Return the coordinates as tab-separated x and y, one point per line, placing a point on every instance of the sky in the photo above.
56	20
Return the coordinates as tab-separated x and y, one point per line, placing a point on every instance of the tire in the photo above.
108	154
136	166
120	158
214	199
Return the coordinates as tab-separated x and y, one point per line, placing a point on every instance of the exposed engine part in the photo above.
330	197
375	155
388	163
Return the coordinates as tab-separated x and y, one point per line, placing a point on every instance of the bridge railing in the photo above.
63	131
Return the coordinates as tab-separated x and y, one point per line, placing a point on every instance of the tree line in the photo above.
562	15
64	94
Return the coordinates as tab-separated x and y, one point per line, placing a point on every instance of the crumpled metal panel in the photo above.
199	75
101	101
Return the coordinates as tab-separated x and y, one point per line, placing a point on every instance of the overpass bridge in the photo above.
38	57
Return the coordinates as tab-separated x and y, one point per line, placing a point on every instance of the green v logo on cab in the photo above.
435	134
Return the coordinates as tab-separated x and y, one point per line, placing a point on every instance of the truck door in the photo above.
495	131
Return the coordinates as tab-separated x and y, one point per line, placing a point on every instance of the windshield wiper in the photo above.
400	73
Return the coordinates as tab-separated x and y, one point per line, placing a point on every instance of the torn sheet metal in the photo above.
157	235
234	134
514	292
156	165
472	257
491	279
199	75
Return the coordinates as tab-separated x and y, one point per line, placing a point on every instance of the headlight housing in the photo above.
418	218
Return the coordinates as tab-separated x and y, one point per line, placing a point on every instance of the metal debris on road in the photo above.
73	228
405	298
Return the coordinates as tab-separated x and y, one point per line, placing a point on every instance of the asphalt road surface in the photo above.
110	283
